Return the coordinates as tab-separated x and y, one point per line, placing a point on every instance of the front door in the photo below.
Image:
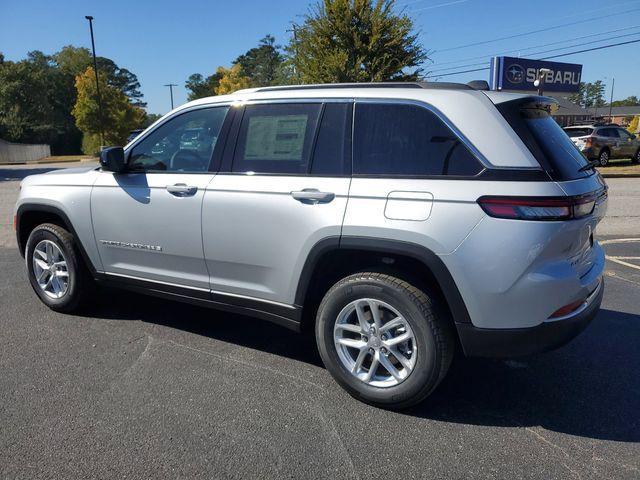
147	222
283	189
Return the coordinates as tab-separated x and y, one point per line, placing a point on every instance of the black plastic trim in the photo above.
420	253
37	207
279	314
516	342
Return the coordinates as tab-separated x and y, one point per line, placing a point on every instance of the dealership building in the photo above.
510	74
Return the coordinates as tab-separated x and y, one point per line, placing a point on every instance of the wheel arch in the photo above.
357	253
30	215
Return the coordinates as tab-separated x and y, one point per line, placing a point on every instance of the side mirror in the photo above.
112	159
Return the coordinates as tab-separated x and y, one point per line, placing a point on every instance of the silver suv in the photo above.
398	222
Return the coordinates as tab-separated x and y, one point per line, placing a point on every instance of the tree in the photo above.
200	87
75	60
589	95
34	104
231	79
631	101
263	64
356	41
633	126
117	118
595	94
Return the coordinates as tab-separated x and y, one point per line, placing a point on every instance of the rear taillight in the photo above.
567	309
538	208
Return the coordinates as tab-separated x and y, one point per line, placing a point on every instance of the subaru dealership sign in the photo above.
509	73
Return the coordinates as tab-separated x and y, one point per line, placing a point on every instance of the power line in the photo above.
546	51
515	50
591	49
545	58
540	30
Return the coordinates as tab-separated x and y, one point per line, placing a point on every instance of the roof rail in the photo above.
427	85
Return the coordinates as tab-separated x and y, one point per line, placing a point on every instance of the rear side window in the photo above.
578	132
407	140
609	133
530	118
276	138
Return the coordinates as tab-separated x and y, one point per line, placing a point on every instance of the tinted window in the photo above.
578	132
332	153
624	134
183	144
544	138
608	132
407	140
276	138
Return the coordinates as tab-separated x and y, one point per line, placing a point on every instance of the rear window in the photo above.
407	140
578	132
531	119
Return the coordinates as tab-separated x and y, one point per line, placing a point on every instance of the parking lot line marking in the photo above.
622	262
619	240
621	259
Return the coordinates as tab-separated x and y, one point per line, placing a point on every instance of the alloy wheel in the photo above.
375	343
50	269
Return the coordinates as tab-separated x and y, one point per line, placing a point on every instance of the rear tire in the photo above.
603	158
636	157
55	269
407	371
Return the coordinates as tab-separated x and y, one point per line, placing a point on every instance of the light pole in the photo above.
95	69
294	30
613	84
171	85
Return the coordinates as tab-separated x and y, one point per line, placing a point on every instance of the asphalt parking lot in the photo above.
140	387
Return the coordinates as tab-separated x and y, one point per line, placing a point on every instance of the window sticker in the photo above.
275	137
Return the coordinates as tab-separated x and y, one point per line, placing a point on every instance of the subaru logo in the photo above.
515	74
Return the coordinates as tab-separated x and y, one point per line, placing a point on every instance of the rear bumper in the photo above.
516	342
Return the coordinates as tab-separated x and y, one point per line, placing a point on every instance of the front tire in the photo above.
55	268
636	157
382	340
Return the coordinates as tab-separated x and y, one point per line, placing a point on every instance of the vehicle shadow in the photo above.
589	388
12	174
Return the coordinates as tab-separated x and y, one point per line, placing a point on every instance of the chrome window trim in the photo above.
350	99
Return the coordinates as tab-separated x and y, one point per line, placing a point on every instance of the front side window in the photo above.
396	139
276	138
183	144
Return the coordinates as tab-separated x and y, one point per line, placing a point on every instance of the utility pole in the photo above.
294	30
95	69
171	85
613	83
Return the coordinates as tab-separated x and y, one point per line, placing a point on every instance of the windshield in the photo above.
578	132
530	118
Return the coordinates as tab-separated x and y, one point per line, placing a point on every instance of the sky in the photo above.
165	41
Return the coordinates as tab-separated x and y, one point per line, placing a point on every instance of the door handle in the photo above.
311	196
182	190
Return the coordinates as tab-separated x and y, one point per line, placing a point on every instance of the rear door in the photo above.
283	188
613	141
627	145
147	221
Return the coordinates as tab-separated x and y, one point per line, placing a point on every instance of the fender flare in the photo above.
428	258
40	207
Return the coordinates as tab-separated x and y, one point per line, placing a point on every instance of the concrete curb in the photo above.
620	175
51	160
